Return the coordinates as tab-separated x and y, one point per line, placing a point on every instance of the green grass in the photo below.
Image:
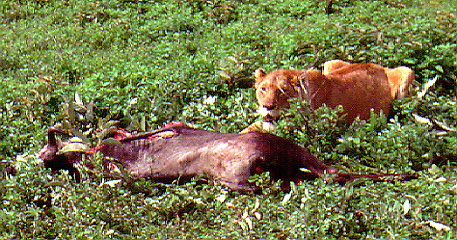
80	64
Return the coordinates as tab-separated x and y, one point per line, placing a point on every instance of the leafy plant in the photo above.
88	66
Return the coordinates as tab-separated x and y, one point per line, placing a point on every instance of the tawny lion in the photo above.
358	87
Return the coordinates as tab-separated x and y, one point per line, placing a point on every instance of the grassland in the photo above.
87	65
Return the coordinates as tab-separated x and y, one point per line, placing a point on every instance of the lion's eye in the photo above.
263	89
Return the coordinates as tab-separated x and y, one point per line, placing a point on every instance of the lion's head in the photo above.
274	89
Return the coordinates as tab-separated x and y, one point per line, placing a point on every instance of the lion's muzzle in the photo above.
269	114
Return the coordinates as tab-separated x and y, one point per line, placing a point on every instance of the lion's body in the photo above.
400	78
358	87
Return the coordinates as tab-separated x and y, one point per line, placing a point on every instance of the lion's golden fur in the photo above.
400	78
358	87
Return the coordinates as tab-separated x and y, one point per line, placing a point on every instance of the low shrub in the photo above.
87	66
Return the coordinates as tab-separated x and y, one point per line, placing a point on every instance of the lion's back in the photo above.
358	88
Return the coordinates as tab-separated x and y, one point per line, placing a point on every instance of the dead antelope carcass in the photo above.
179	151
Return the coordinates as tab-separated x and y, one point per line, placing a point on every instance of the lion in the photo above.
358	87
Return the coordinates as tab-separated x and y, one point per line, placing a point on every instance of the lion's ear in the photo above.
259	74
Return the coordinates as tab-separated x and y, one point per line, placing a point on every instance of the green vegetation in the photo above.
144	63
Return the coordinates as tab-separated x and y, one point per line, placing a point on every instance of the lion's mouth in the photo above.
269	115
269	118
